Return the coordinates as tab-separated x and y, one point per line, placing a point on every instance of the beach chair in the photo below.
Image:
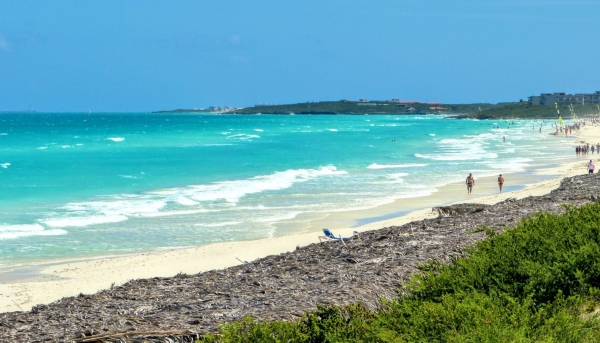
329	236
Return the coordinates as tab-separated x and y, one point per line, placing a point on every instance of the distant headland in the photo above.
547	105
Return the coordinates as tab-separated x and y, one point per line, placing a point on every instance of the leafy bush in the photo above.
539	281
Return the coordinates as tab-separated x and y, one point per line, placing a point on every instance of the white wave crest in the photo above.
232	191
173	213
219	224
511	165
457	157
82	221
462	149
397	177
5	165
186	201
243	137
276	218
116	139
101	212
394	166
119	206
26	230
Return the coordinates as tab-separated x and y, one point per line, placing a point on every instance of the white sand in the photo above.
54	281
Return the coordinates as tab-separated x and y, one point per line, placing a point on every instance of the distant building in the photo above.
546	99
395	100
363	100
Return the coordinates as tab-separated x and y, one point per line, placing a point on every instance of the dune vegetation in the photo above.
536	282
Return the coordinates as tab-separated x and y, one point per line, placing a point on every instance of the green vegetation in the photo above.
371	107
524	111
506	110
537	282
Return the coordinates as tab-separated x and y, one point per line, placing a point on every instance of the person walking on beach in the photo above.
470	182
500	182
591	167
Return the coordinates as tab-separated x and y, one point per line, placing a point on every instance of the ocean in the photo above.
78	185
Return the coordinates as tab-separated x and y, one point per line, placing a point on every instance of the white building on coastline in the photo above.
546	99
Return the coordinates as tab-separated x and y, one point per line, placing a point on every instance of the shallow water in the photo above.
79	185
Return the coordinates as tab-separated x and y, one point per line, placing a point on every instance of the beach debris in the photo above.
183	307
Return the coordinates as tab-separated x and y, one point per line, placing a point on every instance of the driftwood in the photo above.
369	267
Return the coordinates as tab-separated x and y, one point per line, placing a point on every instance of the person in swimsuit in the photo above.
470	182
500	182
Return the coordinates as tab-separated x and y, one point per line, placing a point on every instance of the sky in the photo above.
137	56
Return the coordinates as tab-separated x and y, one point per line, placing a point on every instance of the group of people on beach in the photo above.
471	182
580	150
583	150
568	129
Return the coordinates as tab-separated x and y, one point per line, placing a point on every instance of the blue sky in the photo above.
153	55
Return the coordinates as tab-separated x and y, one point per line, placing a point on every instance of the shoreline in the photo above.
366	269
47	282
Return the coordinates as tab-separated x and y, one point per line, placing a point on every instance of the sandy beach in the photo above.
23	288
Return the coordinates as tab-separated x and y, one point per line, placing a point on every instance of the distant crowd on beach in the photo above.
580	150
584	150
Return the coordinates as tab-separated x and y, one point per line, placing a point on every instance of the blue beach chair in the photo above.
329	236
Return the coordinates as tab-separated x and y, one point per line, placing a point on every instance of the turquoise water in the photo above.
78	185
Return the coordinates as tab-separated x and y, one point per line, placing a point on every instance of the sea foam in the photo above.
25	230
243	137
232	191
395	166
82	221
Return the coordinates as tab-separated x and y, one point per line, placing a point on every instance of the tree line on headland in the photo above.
516	110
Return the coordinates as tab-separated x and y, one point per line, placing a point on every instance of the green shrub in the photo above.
536	282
